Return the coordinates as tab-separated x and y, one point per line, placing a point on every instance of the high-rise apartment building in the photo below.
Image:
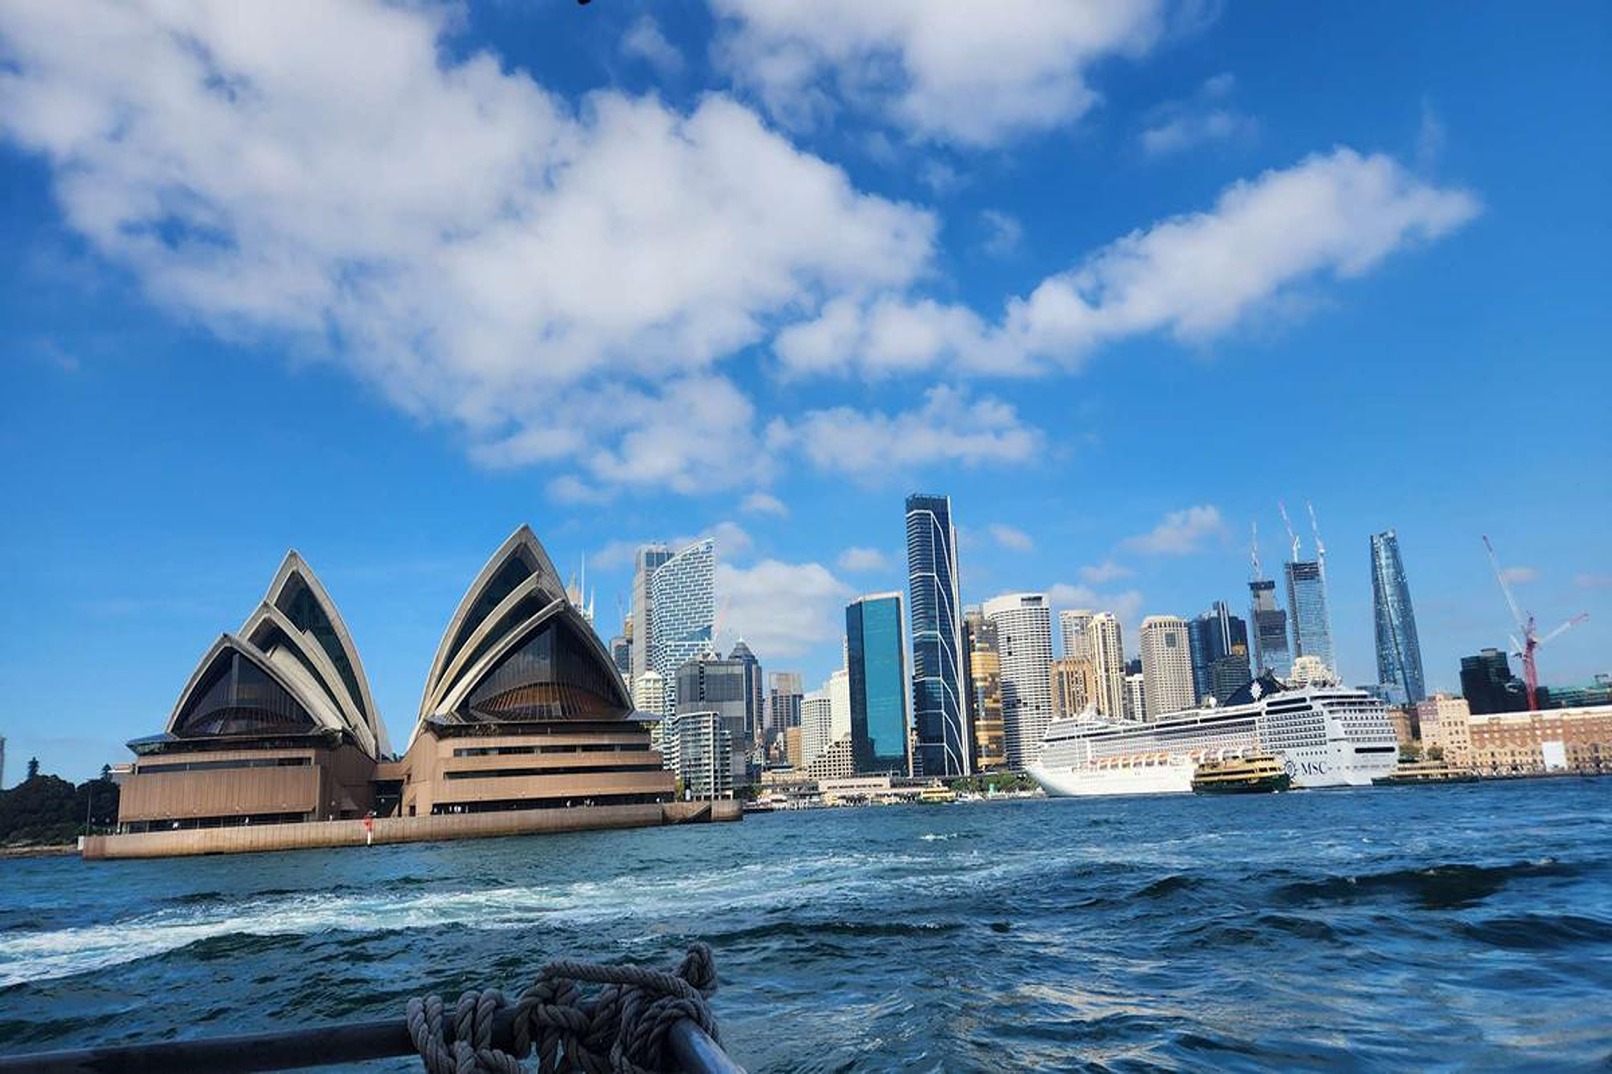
1023	624
944	744
1073	685
1108	665
1307	600
648	557
985	693
816	725
1166	665
649	693
1075	628
1220	665
875	663
698	747
1270	629
1399	651
682	603
1135	696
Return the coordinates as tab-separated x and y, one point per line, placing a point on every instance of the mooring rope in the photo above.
621	1030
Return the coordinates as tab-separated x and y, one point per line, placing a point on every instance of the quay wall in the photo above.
350	833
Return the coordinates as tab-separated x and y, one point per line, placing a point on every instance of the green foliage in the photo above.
993	783
44	810
1435	753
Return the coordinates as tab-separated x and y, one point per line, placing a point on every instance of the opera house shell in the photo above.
523	709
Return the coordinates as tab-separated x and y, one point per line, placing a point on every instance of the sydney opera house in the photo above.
523	710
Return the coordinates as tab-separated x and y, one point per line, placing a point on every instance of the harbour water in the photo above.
1465	926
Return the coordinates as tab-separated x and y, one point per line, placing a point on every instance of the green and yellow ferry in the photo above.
1255	774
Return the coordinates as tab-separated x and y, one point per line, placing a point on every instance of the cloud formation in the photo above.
1104	572
861	560
1206	117
945	71
1008	537
782	609
764	503
1181	533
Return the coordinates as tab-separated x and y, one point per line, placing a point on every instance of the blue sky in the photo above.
381	283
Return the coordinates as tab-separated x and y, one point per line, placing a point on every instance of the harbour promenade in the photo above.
353	833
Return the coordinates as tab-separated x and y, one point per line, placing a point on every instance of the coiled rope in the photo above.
621	1030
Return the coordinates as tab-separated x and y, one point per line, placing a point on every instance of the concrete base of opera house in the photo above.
349	833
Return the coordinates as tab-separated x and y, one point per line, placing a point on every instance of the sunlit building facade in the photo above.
1023	624
682	616
985	690
877	680
1307	601
944	745
1271	652
1399	650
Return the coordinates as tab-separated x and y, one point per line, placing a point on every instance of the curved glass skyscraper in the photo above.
1399	653
944	744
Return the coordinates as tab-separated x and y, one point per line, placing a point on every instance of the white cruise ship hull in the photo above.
1324	737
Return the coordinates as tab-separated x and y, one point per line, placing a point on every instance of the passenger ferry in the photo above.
1325	735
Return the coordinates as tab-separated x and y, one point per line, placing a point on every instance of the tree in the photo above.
33	768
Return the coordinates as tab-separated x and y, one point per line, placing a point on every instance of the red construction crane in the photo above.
1530	638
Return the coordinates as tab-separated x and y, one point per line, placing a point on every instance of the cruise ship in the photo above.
1325	736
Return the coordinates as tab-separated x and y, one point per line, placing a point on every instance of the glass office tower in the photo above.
1307	602
875	659
1399	653
945	742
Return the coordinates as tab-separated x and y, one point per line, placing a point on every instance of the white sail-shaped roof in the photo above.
516	598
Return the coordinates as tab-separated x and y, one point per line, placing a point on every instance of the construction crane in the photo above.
1282	507
1530	637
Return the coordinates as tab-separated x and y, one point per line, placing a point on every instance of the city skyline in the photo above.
1116	288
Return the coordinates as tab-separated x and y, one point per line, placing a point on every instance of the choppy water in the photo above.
1447	927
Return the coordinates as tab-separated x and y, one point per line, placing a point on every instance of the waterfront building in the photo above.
1271	653
1108	664
1488	684
1444	722
944	743
985	690
1407	730
1532	743
1074	628
1307	600
837	761
645	561
1135	696
755	697
682	600
1073	682
1166	665
1399	651
1219	644
1023	624
876	679
709	683
276	724
699	750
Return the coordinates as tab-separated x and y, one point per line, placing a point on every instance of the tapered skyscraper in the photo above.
945	743
1399	653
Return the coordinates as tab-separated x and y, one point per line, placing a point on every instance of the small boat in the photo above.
1255	774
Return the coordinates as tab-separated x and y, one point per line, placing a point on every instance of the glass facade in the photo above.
552	675
1307	601
682	601
239	698
1219	653
1270	629
1399	652
875	660
944	743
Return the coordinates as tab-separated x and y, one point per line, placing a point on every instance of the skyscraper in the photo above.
1166	665
1023	624
1075	627
682	603
1488	684
985	693
1219	653
754	696
816	725
1108	665
1399	652
783	703
1073	681
648	557
1307	599
944	744
1270	629
1135	695
875	663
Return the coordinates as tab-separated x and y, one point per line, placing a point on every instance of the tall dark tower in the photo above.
944	742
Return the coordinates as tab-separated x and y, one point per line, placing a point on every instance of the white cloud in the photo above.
764	503
1008	537
872	445
644	40
1520	575
1003	232
1593	581
569	488
781	609
1206	117
863	560
1104	572
942	70
732	542
1181	533
558	282
1194	277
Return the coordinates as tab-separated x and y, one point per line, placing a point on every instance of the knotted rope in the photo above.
621	1030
